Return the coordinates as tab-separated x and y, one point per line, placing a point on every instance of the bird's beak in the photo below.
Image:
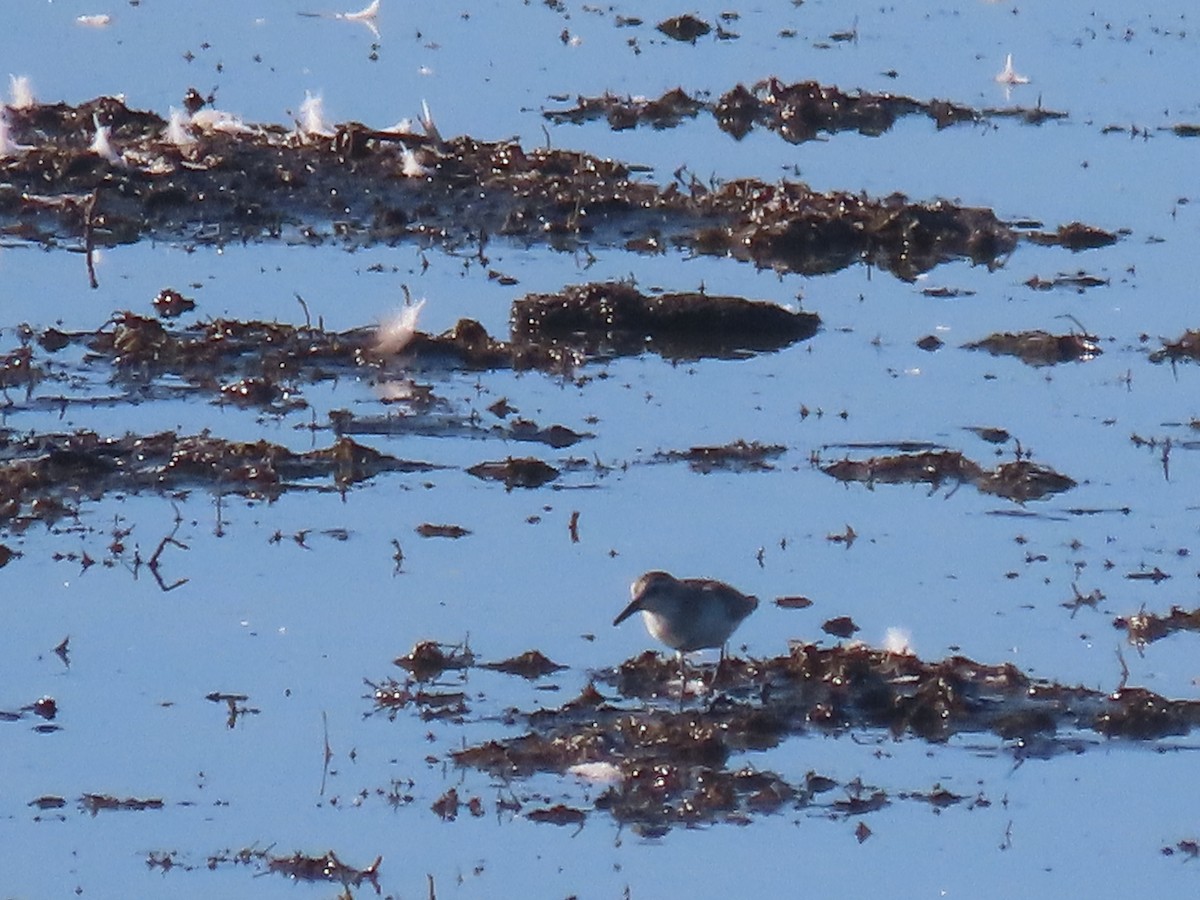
634	606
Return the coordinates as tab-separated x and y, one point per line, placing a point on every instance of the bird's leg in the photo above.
682	677
720	668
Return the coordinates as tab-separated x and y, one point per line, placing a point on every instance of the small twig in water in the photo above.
152	563
304	306
89	236
328	752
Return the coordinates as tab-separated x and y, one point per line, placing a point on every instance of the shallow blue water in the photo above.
298	628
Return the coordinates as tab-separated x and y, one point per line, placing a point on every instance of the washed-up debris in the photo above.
502	409
39	473
441	705
669	767
793	602
990	434
260	392
653	798
266	182
44	476
1145	628
52	340
1030	115
531	664
169	303
685	28
261	364
95	803
1080	281
426	529
1019	480
17	369
557	332
559	814
390	696
1040	348
847	537
840	627
45	707
429	659
621	114
815	233
938	797
297	867
1022	480
798	112
446	806
525	472
946	293
444	424
557	436
1156	575
324	868
615	318
837	688
1189	847
225	697
48	801
1075	236
468	344
234	703
1187	347
738	456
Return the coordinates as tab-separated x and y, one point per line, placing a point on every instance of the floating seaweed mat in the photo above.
235	181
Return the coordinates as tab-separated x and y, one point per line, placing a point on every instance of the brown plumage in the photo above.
690	613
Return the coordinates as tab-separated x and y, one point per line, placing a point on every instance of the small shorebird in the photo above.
687	614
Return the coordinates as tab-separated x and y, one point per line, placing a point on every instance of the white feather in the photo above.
177	129
312	116
9	147
428	125
1009	75
898	641
210	120
102	145
21	91
363	15
397	330
412	167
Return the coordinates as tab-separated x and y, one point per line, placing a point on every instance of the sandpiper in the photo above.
687	614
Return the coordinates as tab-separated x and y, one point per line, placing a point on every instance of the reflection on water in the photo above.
303	588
